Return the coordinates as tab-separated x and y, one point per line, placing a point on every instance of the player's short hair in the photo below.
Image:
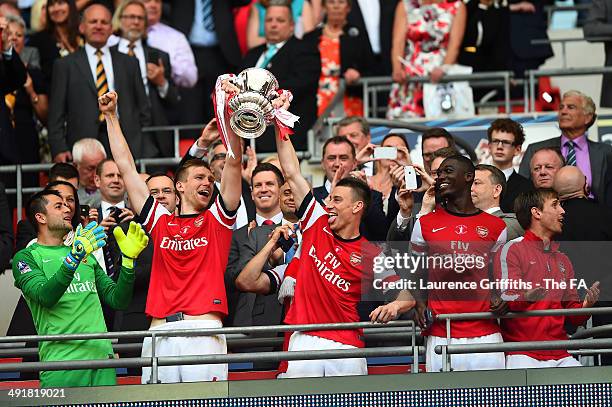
263	167
62	170
445	152
496	176
100	166
181	172
157	175
360	190
507	126
435	132
555	150
86	146
347	121
531	199
338	140
38	204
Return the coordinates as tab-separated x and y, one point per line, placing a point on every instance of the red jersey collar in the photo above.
532	237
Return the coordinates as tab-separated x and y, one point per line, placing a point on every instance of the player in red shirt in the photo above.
187	288
535	259
332	270
465	236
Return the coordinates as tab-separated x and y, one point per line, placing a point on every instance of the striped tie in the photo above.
571	153
207	15
101	83
131	47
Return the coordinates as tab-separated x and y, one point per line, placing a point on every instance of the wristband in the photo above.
127	262
71	262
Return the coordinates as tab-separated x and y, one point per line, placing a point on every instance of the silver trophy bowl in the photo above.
252	105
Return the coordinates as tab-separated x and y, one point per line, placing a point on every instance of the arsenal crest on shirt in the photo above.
355	259
482	231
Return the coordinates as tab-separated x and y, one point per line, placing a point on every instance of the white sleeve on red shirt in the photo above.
151	212
501	240
309	212
223	216
508	268
418	245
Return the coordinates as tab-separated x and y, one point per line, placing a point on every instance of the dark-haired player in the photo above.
332	271
191	249
464	237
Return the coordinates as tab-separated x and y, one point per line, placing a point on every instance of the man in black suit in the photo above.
339	155
296	65
599	24
251	309
81	77
506	139
156	74
576	115
209	27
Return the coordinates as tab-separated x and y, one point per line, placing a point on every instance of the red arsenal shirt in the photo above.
189	259
458	248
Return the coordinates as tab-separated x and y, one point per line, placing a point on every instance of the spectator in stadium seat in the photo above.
343	45
544	164
533	259
296	64
87	153
80	78
172	41
339	155
208	25
488	187
506	138
130	23
576	116
301	11
416	52
6	231
64	290
60	36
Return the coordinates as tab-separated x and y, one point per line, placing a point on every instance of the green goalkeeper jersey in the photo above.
67	302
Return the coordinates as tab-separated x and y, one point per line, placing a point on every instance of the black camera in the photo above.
84	211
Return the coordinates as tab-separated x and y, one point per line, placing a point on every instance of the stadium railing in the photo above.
576	343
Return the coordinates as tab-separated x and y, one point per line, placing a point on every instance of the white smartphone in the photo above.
410	177
387	153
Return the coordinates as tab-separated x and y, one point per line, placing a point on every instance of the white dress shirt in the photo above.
107	61
277	219
508	172
370	9
493	209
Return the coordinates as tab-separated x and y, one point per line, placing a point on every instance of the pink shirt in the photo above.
583	161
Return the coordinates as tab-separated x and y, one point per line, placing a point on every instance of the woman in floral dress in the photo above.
427	35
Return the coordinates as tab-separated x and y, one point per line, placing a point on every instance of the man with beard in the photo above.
63	286
459	231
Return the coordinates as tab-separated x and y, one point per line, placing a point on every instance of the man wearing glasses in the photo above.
506	139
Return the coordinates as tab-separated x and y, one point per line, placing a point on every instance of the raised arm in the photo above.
289	161
136	187
231	177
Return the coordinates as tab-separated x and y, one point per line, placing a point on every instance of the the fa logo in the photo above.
184	230
461	229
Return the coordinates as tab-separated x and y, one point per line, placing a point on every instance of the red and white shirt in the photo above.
332	273
458	248
189	259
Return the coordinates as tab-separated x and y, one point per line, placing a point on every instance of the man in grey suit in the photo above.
487	190
576	115
81	77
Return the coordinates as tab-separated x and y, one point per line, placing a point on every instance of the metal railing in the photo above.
447	350
155	361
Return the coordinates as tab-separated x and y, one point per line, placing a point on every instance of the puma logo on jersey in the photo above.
434	230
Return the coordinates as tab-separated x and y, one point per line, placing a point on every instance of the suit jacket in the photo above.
600	156
599	24
73	105
513	228
387	15
374	225
47	48
182	15
161	144
297	67
515	185
12	76
525	27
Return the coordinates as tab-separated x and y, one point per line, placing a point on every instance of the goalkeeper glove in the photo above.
86	240
132	244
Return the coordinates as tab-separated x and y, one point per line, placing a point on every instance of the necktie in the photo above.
272	48
267	222
101	83
289	255
131	47
108	255
207	15
571	153
9	100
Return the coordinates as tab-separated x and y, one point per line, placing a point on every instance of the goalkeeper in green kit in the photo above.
63	286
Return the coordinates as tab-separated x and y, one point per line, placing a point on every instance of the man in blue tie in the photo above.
296	64
576	116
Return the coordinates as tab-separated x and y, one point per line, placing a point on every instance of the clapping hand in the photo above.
86	240
132	244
